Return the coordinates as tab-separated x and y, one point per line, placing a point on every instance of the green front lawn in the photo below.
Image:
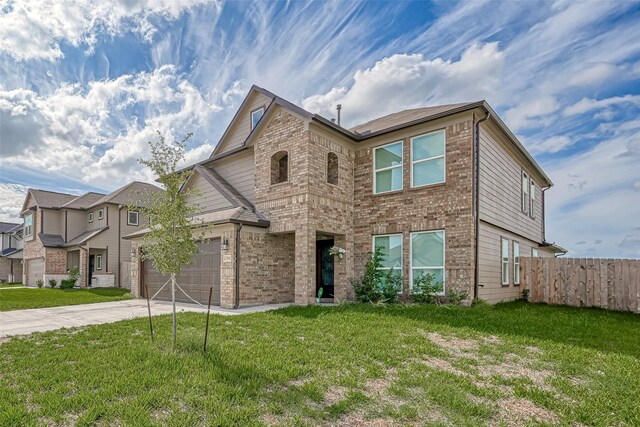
510	364
20	299
10	284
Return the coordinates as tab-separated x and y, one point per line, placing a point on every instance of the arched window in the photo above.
279	167
332	168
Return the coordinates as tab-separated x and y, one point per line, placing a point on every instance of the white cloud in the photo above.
35	29
96	134
553	144
588	104
12	196
405	81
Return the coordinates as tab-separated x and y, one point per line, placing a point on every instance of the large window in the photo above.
516	263
101	213
525	192
28	226
256	115
98	262
428	159
391	246
505	261
132	218
427	256
90	216
387	164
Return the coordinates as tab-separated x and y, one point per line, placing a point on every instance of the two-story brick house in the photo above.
10	252
65	230
445	190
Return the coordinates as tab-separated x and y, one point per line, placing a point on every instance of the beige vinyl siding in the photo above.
242	128
76	223
107	240
238	170
53	224
206	197
500	187
98	223
489	263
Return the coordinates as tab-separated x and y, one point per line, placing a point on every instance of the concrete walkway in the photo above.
23	322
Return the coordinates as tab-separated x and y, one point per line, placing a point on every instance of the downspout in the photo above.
544	222
476	273
119	244
237	293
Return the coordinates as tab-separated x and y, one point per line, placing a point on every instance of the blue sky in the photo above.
83	87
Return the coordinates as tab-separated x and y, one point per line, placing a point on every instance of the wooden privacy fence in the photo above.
613	284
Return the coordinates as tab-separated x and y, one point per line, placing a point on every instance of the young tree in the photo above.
170	243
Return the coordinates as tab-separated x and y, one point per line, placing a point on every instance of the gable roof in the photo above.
8	227
49	199
83	201
126	194
86	236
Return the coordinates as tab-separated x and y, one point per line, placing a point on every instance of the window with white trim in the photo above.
505	261
90	216
525	192
98	262
532	201
391	245
387	166
428	159
534	252
516	263
132	218
100	213
427	256
28	226
256	115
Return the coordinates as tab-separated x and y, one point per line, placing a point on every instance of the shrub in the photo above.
455	296
53	283
67	284
74	274
377	285
39	283
424	290
390	286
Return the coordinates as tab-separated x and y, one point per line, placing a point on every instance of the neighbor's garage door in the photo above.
35	270
195	278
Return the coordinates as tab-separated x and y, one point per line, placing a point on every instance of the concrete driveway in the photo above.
23	322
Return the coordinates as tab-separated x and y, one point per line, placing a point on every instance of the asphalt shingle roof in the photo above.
7	227
50	199
126	194
84	201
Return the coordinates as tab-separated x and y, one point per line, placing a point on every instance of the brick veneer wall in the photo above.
447	206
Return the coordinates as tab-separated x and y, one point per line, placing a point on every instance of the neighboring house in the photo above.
64	230
445	190
10	252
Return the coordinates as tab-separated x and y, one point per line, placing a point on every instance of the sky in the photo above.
85	85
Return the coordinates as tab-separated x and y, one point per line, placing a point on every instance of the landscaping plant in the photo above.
424	290
39	283
377	285
170	243
456	296
53	283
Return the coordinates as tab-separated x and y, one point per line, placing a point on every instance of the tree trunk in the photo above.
173	300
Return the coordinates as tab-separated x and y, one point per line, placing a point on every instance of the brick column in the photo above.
305	268
135	270
84	265
228	271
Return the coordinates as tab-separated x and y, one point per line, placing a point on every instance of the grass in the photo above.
10	284
510	364
20	299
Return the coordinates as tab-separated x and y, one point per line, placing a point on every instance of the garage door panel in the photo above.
35	271
196	278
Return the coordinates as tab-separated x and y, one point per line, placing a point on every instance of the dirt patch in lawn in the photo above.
515	412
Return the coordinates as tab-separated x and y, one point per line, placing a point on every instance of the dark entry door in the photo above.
324	268
92	259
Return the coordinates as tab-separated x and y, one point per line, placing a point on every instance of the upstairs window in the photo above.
532	202
505	261
428	159
90	216
256	115
279	167
332	168
387	165
525	193
100	213
132	218
28	226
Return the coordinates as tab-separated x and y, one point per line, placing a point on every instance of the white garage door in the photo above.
35	270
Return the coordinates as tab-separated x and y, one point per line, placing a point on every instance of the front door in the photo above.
324	269
91	268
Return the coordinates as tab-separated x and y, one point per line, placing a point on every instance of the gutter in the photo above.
544	221
476	188
237	292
